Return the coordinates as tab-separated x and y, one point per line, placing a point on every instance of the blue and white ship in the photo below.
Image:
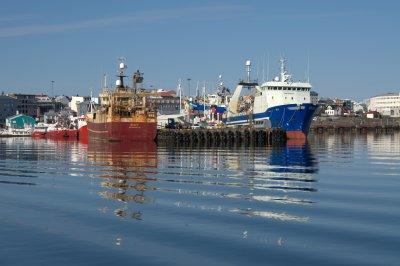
280	103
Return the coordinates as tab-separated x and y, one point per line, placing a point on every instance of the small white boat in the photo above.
16	132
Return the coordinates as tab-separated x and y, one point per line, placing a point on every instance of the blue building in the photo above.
20	121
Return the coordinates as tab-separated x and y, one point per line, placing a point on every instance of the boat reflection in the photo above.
125	166
250	181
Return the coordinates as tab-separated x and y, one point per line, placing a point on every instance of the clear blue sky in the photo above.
354	46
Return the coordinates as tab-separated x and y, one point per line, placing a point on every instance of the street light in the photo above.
52	88
188	80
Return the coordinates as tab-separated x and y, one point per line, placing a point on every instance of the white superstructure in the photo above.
387	104
281	91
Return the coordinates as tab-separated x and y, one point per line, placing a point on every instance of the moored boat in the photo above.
124	114
280	103
16	132
54	131
82	128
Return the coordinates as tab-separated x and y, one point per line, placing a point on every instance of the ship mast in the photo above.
137	79
285	76
121	74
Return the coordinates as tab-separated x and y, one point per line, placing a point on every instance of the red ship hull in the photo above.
83	133
57	134
123	131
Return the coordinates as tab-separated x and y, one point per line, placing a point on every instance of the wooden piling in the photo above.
222	136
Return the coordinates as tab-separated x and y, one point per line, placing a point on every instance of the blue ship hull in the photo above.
294	119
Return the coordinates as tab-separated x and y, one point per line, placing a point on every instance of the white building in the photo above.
78	99
357	107
387	104
333	111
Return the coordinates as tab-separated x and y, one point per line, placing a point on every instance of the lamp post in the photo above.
52	97
52	88
188	80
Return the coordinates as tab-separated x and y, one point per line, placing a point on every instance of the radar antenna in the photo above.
121	72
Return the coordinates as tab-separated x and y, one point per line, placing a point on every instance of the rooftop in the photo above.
388	94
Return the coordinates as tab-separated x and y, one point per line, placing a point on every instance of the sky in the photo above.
353	46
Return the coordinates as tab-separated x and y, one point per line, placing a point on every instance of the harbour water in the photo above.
331	201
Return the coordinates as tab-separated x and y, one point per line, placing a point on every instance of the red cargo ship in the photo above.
124	114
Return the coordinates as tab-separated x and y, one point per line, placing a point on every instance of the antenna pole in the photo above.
52	88
263	68
180	96
258	64
268	67
204	99
188	80
308	66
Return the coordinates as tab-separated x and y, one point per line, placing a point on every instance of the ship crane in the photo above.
247	83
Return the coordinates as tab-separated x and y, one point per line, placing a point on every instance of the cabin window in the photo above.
292	98
284	88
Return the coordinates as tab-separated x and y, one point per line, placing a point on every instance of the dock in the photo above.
356	126
216	137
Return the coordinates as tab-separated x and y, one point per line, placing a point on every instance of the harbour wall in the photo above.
216	137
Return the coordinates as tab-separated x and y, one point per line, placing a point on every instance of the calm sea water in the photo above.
332	201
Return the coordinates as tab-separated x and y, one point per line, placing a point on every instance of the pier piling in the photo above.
222	136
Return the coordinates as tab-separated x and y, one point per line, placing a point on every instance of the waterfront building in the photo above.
75	100
166	101
387	104
358	108
45	104
8	107
20	121
26	103
332	110
314	97
64	100
372	114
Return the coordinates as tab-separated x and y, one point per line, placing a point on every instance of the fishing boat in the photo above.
280	103
54	131
82	127
16	132
123	113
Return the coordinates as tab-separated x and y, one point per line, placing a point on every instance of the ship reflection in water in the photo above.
248	181
124	175
73	203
